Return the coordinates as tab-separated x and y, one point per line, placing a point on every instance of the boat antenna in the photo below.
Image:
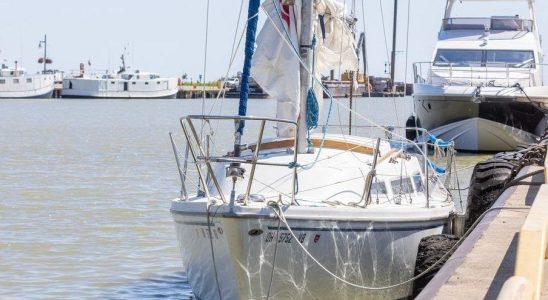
393	58
122	57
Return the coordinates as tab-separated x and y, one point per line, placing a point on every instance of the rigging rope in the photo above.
287	40
249	50
205	57
384	32
407	44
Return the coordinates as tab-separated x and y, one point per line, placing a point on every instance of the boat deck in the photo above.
486	260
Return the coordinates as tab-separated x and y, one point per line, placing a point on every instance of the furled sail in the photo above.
276	67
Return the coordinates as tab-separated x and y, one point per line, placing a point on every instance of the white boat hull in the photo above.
365	252
120	89
476	134
499	121
40	86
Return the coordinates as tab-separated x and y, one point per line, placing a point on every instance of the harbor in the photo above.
285	149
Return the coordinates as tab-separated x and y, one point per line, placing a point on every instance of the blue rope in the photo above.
434	140
312	107
436	168
252	15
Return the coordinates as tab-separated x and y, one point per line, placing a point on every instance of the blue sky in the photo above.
167	36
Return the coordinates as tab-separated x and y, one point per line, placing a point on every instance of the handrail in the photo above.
202	158
487	23
491	74
245	118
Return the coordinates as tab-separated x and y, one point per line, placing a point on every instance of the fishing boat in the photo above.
283	212
17	83
484	88
123	84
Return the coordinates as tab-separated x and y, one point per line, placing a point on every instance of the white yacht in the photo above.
484	88
123	84
16	83
274	211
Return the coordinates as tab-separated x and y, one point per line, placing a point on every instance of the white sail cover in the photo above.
276	66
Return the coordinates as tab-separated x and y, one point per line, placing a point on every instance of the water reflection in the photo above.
173	286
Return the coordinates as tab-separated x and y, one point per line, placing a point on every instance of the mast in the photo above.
307	12
393	59
45	52
45	42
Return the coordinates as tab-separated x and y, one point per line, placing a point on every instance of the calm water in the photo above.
85	189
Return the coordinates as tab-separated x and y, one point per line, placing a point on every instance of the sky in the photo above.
168	36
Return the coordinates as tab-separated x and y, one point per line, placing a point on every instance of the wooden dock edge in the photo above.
528	279
457	258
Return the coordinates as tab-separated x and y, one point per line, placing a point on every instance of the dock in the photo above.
504	257
197	91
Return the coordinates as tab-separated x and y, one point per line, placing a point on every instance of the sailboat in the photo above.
283	212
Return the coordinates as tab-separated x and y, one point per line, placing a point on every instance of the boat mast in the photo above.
393	59
45	42
307	13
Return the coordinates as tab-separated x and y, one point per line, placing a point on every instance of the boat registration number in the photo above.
284	237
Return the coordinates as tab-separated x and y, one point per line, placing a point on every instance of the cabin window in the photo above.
2	81
510	58
112	82
485	58
146	82
16	80
134	82
157	82
29	80
417	180
458	58
378	187
402	186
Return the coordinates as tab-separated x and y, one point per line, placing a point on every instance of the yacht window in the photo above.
378	188
460	58
2	81
146	82
112	82
29	80
402	186
134	82
157	82
418	182
16	80
511	24
510	58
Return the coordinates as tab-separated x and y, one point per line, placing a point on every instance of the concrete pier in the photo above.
487	259
197	91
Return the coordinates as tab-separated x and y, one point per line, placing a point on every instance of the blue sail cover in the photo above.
252	16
